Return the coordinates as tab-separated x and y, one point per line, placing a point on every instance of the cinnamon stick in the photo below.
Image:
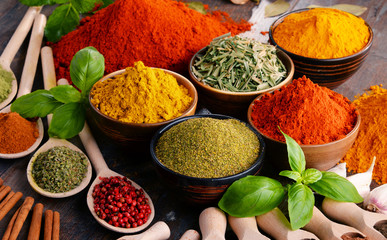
1	181
10	225
9	205
10	194
56	226
48	219
21	217
4	191
2	187
36	222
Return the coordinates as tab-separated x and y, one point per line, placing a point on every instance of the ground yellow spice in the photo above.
372	138
141	95
322	33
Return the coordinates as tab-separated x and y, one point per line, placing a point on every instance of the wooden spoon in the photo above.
13	46
277	225
103	171
27	79
246	228
353	215
159	231
49	82
190	234
213	223
327	229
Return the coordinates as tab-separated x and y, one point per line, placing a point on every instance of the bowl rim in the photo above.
184	79
286	80
354	130
325	60
258	163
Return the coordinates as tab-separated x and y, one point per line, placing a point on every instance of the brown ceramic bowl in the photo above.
234	103
325	72
201	191
136	135
319	156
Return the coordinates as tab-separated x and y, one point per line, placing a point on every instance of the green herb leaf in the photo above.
62	21
311	175
296	176
300	205
66	94
86	67
61	1
295	154
337	188
106	3
198	6
84	6
67	121
252	196
354	9
276	8
37	2
36	104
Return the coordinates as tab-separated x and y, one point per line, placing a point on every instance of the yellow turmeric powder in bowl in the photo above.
322	33
141	95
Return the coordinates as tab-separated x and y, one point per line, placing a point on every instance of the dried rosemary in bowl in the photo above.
239	65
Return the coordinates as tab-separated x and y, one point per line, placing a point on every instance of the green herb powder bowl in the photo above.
206	190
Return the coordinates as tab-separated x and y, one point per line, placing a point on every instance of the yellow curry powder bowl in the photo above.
325	72
135	135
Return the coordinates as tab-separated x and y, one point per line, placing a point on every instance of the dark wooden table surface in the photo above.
76	220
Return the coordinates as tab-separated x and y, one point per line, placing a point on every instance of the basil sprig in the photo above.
66	103
256	195
65	17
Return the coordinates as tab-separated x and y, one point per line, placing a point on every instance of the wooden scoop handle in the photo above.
212	222
159	231
352	215
190	235
246	228
29	68
326	229
49	77
19	35
277	225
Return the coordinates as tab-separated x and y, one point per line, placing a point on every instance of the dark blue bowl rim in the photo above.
257	164
281	18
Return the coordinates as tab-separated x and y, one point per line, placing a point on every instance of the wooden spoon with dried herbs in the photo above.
238	64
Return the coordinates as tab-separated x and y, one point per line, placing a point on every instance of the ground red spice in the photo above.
307	112
160	33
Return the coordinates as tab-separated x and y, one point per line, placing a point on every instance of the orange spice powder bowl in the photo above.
135	136
319	156
326	72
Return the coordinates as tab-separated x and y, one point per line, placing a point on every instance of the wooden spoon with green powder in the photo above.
6	75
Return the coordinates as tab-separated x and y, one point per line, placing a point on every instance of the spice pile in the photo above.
208	147
141	95
308	113
372	137
322	33
161	33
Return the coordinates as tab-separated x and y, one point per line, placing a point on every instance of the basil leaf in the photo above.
67	121
336	187
107	3
37	2
84	6
63	20
311	175
61	1
86	67
252	196
295	154
66	94
36	104
291	174
300	205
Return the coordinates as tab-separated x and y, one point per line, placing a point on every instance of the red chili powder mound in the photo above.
160	33
307	112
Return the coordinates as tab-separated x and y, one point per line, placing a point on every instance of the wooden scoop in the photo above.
159	231
13	46
246	228
190	234
213	223
326	229
352	215
277	225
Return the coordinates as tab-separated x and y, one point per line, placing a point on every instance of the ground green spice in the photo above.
60	169
208	147
6	79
